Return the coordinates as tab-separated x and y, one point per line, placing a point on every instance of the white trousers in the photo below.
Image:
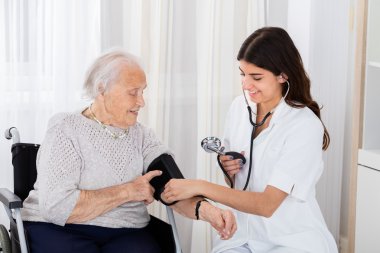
242	249
246	249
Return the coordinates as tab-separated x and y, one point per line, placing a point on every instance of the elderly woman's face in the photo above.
124	99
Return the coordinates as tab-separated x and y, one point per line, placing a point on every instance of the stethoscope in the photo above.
213	144
237	155
254	127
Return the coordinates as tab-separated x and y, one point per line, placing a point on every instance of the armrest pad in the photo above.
9	199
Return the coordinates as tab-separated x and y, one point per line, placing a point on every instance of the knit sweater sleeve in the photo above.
151	147
59	165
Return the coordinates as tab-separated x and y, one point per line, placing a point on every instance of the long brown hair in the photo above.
271	48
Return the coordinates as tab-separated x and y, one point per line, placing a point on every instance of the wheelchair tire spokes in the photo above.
5	242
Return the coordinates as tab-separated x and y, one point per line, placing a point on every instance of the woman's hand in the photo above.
232	167
223	221
140	189
180	189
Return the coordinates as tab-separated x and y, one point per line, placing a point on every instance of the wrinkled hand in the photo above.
180	189
223	221
140	189
232	167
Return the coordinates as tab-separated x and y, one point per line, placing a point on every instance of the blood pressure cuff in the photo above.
169	168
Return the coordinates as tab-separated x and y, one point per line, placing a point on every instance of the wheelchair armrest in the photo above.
9	199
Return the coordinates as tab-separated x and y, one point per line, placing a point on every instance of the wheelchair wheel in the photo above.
5	242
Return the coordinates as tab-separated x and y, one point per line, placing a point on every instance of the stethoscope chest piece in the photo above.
213	144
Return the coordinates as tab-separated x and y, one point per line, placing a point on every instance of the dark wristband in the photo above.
197	206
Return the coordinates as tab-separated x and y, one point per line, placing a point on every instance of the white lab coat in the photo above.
286	155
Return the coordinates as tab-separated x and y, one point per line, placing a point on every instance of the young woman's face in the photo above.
261	85
124	99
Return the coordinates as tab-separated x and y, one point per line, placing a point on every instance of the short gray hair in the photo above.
105	70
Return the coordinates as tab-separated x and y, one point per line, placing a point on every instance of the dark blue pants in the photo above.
75	238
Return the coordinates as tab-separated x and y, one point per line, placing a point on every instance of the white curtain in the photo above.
45	47
189	49
227	24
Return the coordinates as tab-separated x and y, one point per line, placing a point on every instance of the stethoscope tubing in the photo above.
225	173
254	126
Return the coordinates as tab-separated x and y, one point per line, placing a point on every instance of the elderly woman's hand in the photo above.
223	221
180	189
140	189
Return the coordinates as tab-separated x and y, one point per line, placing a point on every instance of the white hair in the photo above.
104	71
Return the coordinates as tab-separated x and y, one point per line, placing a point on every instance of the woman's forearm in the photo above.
93	203
223	221
186	207
259	203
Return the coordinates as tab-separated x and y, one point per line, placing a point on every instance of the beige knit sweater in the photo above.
77	154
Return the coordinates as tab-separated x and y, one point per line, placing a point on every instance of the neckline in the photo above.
113	134
276	114
95	124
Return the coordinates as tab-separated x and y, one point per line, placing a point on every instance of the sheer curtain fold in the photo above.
45	48
159	64
217	83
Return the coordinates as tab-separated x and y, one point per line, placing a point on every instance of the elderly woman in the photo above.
91	191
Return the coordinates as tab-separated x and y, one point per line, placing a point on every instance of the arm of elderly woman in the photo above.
223	221
93	203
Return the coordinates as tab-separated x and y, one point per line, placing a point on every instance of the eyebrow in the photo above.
252	74
137	88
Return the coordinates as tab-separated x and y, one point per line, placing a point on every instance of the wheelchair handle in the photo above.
12	133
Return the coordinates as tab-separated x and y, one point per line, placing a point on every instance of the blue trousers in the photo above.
75	238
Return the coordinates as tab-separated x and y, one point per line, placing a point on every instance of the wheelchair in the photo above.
25	174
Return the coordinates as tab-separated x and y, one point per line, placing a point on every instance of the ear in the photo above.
282	78
101	90
100	95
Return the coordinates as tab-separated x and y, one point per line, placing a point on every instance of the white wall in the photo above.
330	66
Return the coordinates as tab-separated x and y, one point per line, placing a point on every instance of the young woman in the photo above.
283	138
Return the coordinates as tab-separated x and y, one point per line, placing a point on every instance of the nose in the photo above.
246	85
140	101
246	82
